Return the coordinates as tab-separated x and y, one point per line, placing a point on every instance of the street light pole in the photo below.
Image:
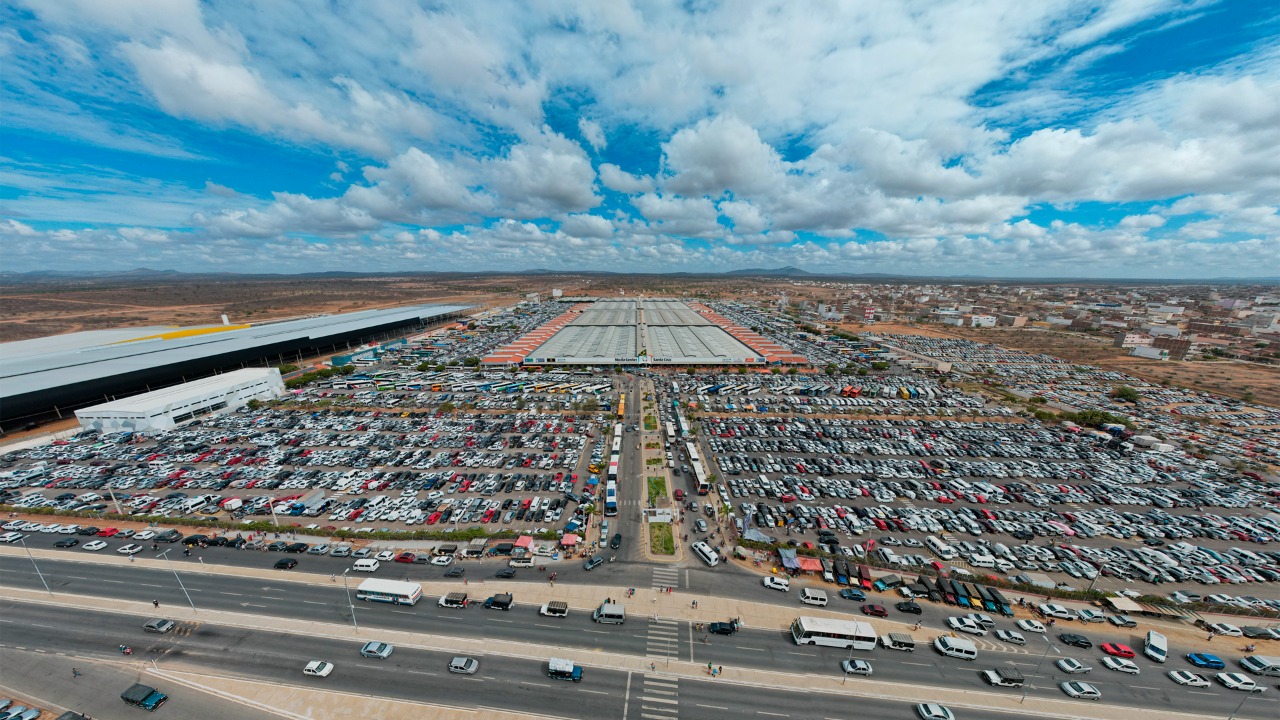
1027	687
37	567
191	602
350	604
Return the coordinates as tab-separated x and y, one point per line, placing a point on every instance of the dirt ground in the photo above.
54	307
1228	378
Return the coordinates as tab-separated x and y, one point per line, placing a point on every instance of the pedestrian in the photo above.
155	604
130	558
652	667
1211	634
333	578
75	672
719	669
709	666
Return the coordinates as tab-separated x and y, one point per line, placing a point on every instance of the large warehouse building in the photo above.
641	332
53	376
166	409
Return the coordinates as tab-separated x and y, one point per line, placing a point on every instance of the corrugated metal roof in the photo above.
194	390
65	359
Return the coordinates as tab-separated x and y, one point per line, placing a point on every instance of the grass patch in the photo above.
661	539
657	488
650	422
653	461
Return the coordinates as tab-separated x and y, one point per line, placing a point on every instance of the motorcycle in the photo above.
126	650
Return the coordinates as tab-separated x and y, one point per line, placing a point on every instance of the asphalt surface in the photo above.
410	674
770	650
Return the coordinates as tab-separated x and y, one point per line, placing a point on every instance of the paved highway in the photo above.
417	675
770	650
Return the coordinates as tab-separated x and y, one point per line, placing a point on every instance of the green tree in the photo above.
447	407
792	371
1126	393
691	372
831	369
471	362
286	369
863	372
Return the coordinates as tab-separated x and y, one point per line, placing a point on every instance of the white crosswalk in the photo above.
663	639
659	698
666	577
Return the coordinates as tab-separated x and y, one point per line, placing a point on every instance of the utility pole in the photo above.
190	602
350	604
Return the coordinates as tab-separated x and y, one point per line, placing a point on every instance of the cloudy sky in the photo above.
1133	138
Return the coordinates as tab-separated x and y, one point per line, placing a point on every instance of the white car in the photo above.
131	549
442	560
385	556
1011	637
1121	665
144	535
1081	690
464	665
1034	626
94	545
777	583
855	667
1056	611
1072	666
1226	629
965	625
1236	681
69	529
934	711
1182	677
318	668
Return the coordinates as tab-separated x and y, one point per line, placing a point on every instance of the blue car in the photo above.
1205	660
851	594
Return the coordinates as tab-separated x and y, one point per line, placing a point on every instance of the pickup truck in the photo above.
1003	677
144	696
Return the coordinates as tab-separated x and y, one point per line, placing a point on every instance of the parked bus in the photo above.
389	591
700	478
671	433
833	633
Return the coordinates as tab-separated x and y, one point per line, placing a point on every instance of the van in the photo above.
1156	647
812	596
555	608
982	561
956	647
706	554
898	641
453	600
1261	665
1004	677
609	614
366	565
561	669
521	562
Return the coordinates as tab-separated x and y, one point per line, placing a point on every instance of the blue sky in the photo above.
1135	138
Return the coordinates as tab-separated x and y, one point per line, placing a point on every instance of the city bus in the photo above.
622	405
611	499
671	433
700	481
833	633
389	591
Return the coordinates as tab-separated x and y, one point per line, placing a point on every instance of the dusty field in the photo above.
54	307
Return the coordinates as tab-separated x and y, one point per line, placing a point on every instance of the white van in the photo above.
366	565
706	554
1156	647
521	562
1261	665
982	561
812	596
609	614
956	647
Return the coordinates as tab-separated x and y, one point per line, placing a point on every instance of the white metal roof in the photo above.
62	360
178	394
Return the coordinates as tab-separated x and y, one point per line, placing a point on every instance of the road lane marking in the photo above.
1197	692
743	647
916	664
421	672
762	712
789	652
710	707
1143	687
269	597
594	692
314	602
669	701
231	593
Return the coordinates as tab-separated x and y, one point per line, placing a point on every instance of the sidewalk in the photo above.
646	602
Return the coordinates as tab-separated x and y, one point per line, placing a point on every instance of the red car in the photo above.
406	557
875	611
107	532
679	494
1118	650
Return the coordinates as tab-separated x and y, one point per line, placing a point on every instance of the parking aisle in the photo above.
659	697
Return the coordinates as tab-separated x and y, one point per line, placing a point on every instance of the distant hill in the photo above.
787	271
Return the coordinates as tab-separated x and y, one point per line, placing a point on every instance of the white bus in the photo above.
389	591
939	548
833	633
